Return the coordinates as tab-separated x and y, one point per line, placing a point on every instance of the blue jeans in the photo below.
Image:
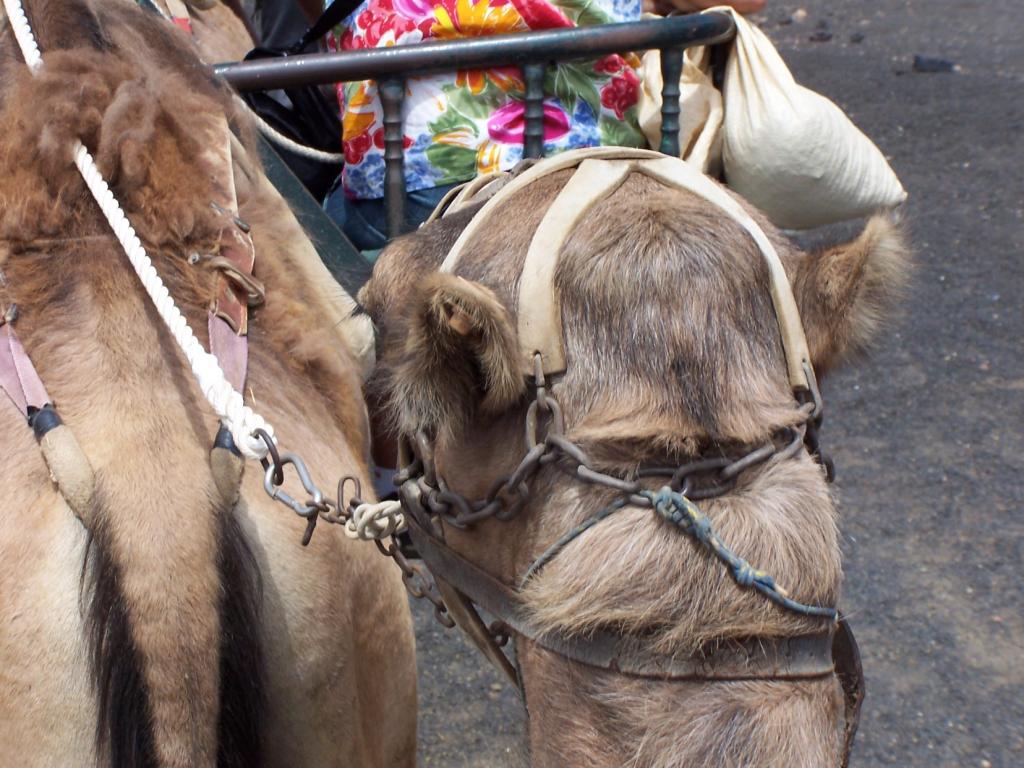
364	222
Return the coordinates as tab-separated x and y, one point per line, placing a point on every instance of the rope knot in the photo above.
746	576
680	511
675	508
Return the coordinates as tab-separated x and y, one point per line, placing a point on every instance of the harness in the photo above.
430	503
220	372
234	290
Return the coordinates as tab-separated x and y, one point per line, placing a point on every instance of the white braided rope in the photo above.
23	34
292	146
368	521
240	420
375	521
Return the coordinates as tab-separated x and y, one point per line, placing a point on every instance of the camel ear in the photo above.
459	356
844	292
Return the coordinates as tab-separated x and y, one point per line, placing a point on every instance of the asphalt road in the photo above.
926	432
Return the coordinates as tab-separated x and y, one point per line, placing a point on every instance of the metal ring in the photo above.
794	444
538	370
526	467
357	497
557	424
710	492
305	478
509	510
278	494
531	425
815	392
275	457
599	478
569	448
425	453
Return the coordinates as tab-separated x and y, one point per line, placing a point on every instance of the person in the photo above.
461	124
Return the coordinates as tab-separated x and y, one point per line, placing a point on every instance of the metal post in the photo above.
533	112
671	69
719	61
392	96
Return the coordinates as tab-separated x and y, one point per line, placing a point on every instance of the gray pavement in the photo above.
926	431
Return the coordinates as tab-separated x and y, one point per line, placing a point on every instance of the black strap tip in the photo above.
225	441
42	420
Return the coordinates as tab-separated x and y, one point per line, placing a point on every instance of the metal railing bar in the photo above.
477	53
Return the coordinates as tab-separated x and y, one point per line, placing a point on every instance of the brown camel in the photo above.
180	622
673	353
217	29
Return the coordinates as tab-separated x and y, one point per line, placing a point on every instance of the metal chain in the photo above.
417	580
361	519
546	445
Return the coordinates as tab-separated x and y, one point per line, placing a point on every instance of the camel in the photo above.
170	616
217	28
672	354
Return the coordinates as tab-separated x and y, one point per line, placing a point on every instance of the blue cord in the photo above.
684	514
676	508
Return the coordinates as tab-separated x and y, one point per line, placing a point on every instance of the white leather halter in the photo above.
599	173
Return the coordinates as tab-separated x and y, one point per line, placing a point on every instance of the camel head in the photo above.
673	352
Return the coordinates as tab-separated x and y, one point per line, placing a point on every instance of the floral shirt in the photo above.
465	123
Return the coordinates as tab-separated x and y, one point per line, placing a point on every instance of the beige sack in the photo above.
792	152
788	150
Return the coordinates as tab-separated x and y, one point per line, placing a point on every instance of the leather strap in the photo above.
465	616
230	349
758	658
850	672
69	468
18	377
228	322
540	326
468	193
546	167
540	320
463	584
442	206
483	187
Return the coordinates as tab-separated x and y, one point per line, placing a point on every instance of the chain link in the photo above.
361	519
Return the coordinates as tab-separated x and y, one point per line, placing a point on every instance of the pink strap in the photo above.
18	376
230	349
